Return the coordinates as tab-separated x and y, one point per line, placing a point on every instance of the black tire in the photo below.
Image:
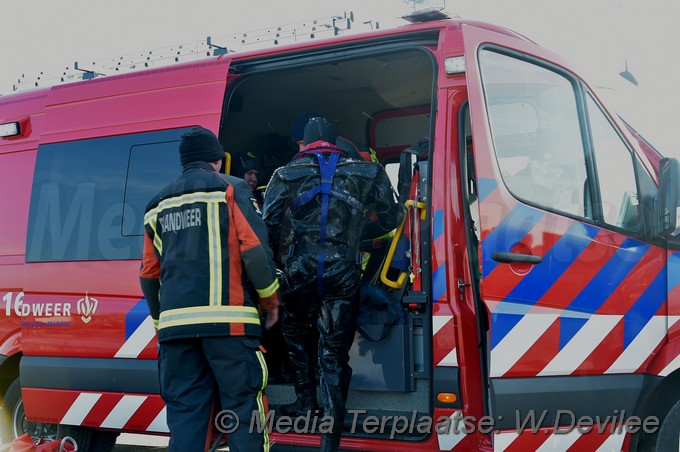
103	441
88	438
81	435
14	423
669	433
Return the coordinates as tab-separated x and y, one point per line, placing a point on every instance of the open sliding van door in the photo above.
573	282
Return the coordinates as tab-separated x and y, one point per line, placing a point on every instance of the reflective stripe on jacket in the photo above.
201	234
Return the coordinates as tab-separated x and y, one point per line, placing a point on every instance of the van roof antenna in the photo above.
87	74
218	50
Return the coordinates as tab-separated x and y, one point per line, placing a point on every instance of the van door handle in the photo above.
508	258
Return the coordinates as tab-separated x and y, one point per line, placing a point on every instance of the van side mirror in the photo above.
668	224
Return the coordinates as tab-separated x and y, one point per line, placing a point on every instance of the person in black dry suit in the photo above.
333	202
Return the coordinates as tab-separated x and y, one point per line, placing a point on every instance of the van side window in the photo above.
84	206
615	172
392	170
152	166
534	123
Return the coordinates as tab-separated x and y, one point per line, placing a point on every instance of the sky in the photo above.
599	37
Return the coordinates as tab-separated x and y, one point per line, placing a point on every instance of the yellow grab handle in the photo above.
388	260
393	247
227	163
418	205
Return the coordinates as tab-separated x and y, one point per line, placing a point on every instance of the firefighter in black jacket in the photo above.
333	202
203	238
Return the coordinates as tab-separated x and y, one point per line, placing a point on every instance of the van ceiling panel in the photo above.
347	91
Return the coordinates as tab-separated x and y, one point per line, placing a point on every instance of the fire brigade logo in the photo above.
87	307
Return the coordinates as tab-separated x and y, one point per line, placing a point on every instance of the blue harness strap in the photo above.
326	172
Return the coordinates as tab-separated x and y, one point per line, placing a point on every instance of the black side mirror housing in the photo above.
668	224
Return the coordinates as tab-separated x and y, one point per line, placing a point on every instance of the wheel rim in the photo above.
37	430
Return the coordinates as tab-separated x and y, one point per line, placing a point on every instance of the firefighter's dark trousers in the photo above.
333	319
193	370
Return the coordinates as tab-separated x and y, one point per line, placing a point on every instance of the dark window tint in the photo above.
150	170
81	207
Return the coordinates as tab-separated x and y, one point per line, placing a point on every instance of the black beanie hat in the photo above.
297	128
250	165
319	129
199	144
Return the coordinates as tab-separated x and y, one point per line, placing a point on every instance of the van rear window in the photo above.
89	196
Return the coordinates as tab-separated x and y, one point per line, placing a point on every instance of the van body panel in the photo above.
121	325
568	298
11	343
673	286
134	376
455	340
667	360
16	177
162	98
39	279
28	110
17	160
135	413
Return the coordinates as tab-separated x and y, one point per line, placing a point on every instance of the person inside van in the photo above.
251	171
334	202
297	127
541	181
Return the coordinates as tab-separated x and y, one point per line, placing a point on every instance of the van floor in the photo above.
280	394
361	404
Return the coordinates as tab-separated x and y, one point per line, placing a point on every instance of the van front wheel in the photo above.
14	422
669	433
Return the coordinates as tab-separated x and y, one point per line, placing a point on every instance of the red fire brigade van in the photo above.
531	297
